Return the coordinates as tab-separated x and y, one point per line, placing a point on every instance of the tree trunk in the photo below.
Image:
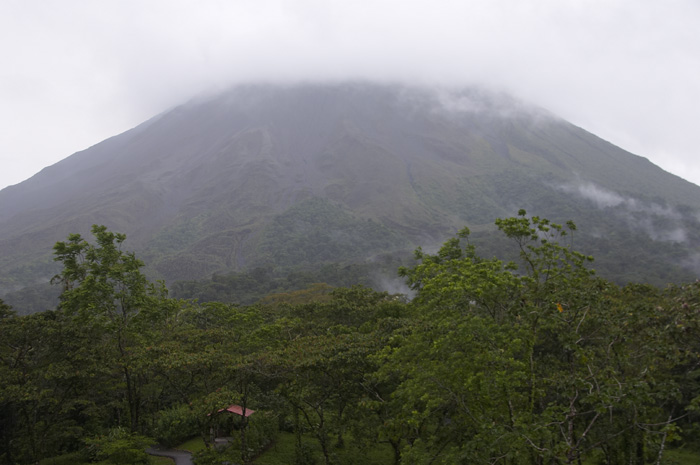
133	402
396	446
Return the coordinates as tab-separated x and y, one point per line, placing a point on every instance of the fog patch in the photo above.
601	197
677	234
604	198
392	286
692	263
482	101
664	211
659	222
463	102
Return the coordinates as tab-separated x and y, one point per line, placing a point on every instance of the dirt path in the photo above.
181	457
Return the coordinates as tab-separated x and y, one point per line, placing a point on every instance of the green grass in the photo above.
671	457
282	452
681	457
193	445
74	459
162	461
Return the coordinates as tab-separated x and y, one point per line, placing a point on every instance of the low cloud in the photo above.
392	286
659	222
604	198
485	101
675	234
601	197
692	263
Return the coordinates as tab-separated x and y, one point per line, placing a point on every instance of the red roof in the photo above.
238	410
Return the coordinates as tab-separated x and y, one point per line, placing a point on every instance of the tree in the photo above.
51	389
540	362
5	310
105	290
325	369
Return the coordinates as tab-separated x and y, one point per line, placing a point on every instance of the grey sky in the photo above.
74	72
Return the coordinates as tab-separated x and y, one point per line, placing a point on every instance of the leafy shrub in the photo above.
121	447
262	431
175	425
304	455
212	456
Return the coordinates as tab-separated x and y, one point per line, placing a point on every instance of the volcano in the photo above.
293	177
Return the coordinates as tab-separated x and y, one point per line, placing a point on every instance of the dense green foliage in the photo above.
249	287
530	361
317	231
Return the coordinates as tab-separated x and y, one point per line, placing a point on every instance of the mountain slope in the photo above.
291	176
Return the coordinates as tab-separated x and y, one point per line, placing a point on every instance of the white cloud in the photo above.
601	197
639	215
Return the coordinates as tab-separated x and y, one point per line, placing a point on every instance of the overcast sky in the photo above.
74	72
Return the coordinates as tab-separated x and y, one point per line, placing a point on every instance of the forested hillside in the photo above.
293	179
534	361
